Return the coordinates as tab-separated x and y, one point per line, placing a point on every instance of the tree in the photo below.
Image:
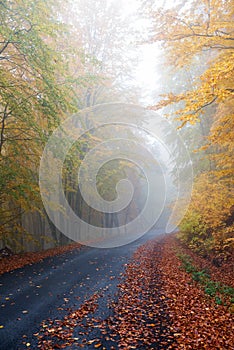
34	97
105	38
188	31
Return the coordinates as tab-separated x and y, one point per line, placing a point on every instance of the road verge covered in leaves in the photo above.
16	261
198	322
162	306
158	306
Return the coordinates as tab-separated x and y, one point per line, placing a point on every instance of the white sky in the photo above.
149	72
147	76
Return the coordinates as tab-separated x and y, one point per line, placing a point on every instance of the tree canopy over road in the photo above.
84	68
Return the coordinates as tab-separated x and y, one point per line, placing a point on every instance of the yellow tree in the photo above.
189	31
34	97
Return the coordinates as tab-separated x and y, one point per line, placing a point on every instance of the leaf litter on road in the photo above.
158	306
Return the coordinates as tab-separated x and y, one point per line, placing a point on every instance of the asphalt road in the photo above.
47	289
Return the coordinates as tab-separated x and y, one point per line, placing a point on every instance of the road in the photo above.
49	288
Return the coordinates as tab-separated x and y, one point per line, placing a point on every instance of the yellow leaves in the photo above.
204	29
215	87
186	33
231	309
188	30
229	242
169	99
204	224
35	94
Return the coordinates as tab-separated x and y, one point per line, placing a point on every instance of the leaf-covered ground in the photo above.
158	306
139	317
197	321
19	260
223	273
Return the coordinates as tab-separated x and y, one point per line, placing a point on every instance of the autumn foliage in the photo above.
189	33
159	306
204	226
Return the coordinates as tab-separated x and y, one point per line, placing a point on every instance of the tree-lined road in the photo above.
47	289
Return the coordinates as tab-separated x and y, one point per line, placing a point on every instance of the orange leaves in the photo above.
19	260
59	334
158	307
197	322
157	289
140	315
138	318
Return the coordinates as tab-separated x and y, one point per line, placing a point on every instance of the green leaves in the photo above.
34	98
214	289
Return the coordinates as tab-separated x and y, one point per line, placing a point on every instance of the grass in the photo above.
222	294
